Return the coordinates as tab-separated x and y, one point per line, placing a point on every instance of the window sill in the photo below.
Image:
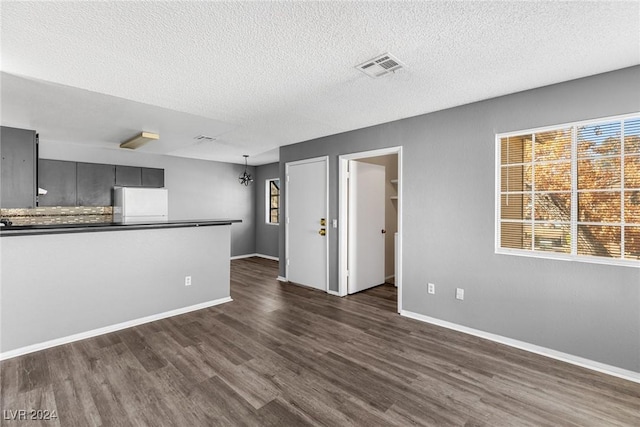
565	257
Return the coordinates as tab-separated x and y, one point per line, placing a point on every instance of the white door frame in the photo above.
324	159
343	164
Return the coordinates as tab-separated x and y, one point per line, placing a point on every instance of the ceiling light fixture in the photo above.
139	140
245	178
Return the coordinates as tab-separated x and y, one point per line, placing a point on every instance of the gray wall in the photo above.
588	310
198	189
58	285
266	234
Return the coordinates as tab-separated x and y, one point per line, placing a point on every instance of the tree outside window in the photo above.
273	201
573	190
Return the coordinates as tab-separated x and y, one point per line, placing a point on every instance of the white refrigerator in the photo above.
134	204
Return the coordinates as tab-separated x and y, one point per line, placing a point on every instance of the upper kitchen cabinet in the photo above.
128	176
152	177
59	179
19	152
95	184
90	184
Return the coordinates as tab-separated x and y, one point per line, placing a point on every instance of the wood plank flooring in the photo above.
284	355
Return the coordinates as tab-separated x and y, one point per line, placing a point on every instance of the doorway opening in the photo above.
357	258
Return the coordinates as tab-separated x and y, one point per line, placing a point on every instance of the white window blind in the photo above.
571	191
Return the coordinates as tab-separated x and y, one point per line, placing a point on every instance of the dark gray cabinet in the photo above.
95	184
59	179
90	184
152	177
19	152
128	176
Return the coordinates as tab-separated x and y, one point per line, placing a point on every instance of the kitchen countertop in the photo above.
31	230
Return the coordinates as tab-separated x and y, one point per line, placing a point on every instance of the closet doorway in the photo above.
370	204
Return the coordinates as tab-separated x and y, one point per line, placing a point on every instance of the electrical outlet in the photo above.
459	293
187	280
431	288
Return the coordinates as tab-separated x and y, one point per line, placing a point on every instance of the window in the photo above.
273	201
571	191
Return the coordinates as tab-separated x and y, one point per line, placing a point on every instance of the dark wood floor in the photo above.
285	355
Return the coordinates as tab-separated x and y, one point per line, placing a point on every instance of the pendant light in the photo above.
245	178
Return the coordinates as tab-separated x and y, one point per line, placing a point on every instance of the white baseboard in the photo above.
543	351
282	279
242	256
274	258
334	293
108	329
390	277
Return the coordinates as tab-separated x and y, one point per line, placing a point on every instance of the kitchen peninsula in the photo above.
61	283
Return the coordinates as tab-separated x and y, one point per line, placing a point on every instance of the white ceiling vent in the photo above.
380	65
204	138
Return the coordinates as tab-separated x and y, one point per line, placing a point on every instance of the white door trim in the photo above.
343	163
324	159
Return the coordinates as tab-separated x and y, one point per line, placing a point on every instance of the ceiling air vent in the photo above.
204	138
380	65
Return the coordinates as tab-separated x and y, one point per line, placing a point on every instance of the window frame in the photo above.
267	204
574	191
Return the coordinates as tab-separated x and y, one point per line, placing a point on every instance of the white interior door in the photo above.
366	226
306	199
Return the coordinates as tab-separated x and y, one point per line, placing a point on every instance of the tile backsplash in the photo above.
49	215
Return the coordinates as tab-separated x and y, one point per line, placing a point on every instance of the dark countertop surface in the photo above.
30	230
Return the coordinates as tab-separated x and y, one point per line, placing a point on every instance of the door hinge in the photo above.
288	261
287	178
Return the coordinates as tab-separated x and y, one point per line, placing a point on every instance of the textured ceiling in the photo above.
265	74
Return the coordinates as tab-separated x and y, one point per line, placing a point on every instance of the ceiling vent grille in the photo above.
204	138
380	65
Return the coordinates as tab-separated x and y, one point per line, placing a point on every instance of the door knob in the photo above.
383	231
323	222
322	232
